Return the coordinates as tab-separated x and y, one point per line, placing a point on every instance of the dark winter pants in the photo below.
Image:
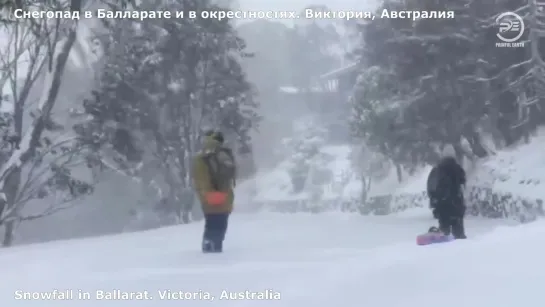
215	227
450	215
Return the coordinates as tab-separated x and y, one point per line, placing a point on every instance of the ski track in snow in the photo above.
322	259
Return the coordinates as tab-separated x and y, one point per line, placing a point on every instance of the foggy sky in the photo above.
300	4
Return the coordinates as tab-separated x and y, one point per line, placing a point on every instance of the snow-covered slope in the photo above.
519	170
513	170
510	183
275	184
319	260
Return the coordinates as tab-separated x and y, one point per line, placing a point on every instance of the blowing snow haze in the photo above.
149	162
300	4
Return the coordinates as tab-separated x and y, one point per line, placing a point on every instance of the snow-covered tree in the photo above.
35	157
304	155
163	83
444	82
313	49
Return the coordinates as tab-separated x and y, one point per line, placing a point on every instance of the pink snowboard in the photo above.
432	238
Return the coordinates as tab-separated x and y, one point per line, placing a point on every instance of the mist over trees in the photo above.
156	86
35	162
163	83
430	83
293	55
288	59
159	84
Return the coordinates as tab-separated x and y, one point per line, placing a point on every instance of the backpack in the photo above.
222	168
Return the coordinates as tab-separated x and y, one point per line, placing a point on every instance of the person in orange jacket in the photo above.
214	174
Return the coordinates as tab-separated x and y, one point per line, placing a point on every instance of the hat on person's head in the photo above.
218	136
215	135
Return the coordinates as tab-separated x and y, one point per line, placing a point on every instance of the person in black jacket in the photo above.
445	190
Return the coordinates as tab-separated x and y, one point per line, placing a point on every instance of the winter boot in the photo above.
434	229
458	230
218	247
207	246
444	225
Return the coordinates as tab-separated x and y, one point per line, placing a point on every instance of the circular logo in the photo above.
511	27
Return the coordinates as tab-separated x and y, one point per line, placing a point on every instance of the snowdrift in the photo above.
505	185
502	268
272	189
325	260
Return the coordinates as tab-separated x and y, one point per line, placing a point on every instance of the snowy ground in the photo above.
515	170
510	170
315	260
275	185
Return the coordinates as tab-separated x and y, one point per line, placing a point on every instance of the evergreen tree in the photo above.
430	83
164	82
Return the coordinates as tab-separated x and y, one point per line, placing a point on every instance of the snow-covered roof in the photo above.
295	90
340	71
288	89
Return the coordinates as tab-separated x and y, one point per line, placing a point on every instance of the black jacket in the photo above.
445	182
